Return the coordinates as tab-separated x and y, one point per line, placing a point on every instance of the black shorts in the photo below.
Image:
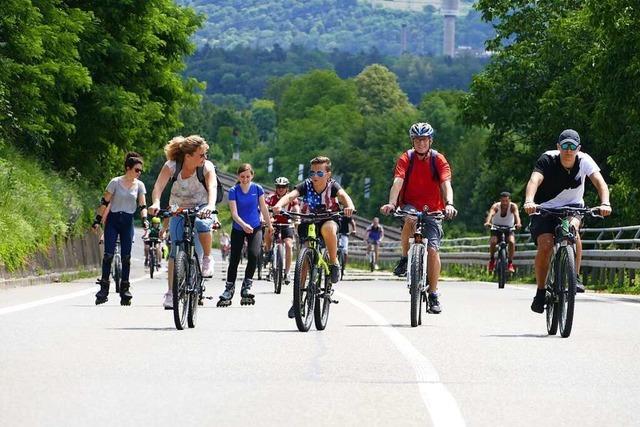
285	232
542	224
498	232
304	227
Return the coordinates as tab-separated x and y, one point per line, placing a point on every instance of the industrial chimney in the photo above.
449	12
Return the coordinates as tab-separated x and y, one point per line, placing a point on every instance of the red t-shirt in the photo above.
422	189
272	199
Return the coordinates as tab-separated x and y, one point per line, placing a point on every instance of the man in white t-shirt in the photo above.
558	180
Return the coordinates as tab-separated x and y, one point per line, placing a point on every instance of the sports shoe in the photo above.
291	313
579	285
511	268
286	279
492	265
434	304
335	273
401	267
538	303
207	266
168	301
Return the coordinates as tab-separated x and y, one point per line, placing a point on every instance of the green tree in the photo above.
379	92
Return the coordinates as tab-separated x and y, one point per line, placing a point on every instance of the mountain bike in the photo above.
312	279
502	263
560	282
278	255
188	282
417	277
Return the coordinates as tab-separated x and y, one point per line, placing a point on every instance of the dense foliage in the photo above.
244	73
91	80
37	207
562	64
360	123
346	25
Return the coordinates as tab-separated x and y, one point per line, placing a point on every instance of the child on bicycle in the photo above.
320	193
153	232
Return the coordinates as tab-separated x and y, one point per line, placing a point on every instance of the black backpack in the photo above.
200	175
434	170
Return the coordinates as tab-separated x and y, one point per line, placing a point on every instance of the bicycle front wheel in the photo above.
323	299
417	259
259	262
552	303
304	290
502	268
566	286
278	268
180	295
342	259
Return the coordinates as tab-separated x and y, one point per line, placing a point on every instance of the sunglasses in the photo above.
319	174
138	170
569	146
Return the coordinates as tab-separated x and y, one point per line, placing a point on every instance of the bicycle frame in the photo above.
314	243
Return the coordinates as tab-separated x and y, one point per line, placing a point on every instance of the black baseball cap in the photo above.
569	135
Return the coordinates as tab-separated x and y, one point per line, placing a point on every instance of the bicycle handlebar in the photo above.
399	213
315	216
564	211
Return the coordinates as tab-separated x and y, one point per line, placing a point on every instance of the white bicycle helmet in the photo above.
420	129
282	181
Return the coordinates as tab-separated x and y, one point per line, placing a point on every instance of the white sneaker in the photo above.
207	266
168	301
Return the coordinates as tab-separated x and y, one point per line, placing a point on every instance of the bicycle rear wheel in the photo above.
194	294
323	299
501	268
259	262
180	295
152	260
304	290
278	268
415	279
566	285
117	271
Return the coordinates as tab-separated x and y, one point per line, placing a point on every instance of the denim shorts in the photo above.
432	230
176	229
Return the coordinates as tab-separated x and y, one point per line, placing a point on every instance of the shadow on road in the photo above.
382	326
517	336
143	329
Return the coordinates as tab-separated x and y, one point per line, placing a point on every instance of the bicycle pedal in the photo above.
334	301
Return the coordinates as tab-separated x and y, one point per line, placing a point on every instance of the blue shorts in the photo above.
176	229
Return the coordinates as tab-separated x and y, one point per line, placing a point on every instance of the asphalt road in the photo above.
485	361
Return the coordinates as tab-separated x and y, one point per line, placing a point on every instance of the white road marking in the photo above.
440	403
32	304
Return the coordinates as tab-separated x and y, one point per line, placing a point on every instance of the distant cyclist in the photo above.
153	232
374	235
282	188
504	214
558	180
346	228
124	194
422	178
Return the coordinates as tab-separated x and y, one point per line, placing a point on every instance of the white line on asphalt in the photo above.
32	304
440	403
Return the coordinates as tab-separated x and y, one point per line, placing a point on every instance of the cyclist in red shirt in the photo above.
282	188
422	178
